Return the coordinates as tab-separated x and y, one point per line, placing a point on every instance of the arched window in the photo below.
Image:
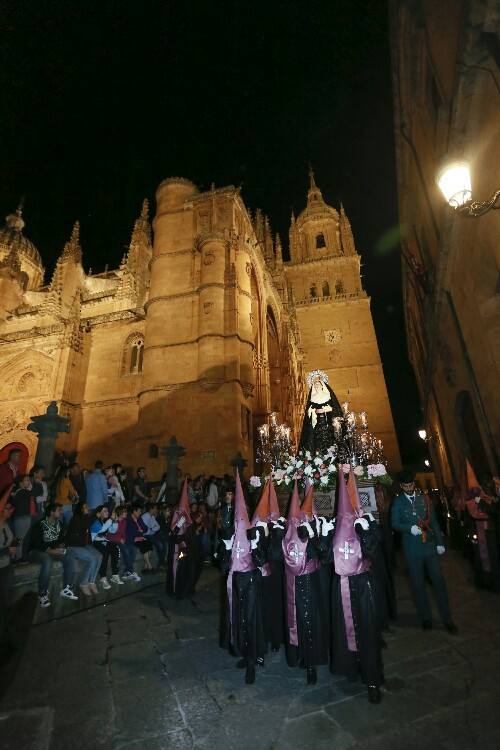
314	291
133	354
339	287
320	241
326	289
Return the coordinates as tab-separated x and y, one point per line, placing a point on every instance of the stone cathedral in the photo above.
201	332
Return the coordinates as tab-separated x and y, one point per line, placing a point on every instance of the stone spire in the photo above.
134	266
278	252
293	241
314	194
142	227
72	249
15	220
268	243
259	226
312	183
346	236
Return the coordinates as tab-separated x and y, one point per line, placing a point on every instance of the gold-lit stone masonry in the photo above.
200	333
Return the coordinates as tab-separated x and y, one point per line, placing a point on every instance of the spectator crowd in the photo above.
95	523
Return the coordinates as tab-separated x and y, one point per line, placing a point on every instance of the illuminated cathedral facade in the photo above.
201	332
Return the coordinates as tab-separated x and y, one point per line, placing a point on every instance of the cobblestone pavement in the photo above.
146	672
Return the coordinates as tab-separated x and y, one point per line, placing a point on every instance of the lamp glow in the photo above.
454	182
422	434
427	462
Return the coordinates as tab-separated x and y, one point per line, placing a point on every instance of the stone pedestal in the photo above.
173	452
48	426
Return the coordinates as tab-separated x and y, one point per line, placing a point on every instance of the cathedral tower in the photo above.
333	313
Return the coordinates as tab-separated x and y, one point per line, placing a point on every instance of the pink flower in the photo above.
346	468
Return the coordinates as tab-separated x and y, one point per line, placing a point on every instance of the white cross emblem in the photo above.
296	553
239	549
347	550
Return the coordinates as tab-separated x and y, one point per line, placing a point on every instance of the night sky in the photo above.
102	100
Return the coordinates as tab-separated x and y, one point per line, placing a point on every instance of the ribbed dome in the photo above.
13	239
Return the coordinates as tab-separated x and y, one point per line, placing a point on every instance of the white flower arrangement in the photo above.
255	481
320	471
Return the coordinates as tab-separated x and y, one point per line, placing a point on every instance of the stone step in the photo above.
25	579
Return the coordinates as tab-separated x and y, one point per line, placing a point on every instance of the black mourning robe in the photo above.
188	567
367	660
322	436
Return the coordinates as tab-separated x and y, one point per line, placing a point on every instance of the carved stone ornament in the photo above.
248	268
334	355
207	307
259	362
208	258
333	336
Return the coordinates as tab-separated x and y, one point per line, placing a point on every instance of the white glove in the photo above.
416	530
309	529
254	542
317	522
327	526
264	526
440	549
278	525
281	520
228	543
363	522
180	523
369	517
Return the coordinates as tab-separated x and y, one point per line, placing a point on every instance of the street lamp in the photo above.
422	434
454	181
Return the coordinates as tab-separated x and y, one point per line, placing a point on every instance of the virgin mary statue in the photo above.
322	406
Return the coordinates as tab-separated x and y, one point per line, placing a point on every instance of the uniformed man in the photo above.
414	517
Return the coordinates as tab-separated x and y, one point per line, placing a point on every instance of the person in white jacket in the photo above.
101	525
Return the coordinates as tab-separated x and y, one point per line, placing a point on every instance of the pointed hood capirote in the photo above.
274	511
347	554
241	553
308	506
352	491
294	511
262	511
473	481
182	509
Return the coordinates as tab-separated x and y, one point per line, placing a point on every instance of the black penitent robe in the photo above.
367	660
243	636
188	567
385	594
322	436
312	617
273	590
